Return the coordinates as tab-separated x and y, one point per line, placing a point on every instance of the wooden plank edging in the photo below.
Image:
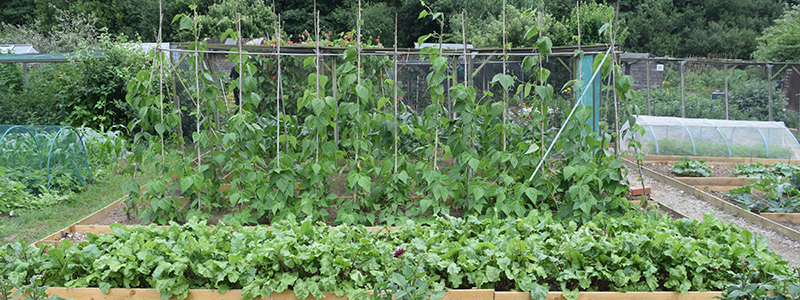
473	294
779	217
614	295
198	294
719	181
719	203
90	219
721	188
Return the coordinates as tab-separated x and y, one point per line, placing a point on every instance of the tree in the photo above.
781	42
257	18
697	27
69	31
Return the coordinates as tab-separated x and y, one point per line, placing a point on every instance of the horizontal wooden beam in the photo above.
720	188
473	294
720	181
202	294
791	217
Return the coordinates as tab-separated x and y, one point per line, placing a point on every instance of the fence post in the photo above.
769	88
727	117
683	90
649	112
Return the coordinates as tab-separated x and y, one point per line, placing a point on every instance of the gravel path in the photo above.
695	208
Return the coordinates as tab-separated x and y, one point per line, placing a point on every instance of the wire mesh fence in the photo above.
715	88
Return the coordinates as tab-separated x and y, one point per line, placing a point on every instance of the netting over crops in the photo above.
719	138
57	151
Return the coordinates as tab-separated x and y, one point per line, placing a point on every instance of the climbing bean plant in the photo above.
324	149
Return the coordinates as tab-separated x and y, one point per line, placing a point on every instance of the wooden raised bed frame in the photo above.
473	294
85	226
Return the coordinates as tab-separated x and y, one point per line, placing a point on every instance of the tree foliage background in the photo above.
677	28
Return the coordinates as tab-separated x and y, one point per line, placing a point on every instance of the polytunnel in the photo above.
716	138
55	150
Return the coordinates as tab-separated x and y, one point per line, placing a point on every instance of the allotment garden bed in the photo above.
765	187
537	254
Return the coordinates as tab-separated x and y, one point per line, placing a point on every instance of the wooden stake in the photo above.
727	117
317	65
505	91
239	42
161	76
394	84
197	89
278	93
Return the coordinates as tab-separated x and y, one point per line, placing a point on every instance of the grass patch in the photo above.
33	225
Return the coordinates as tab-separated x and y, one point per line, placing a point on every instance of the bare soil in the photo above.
75	237
120	216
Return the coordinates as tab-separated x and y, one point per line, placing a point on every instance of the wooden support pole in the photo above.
25	73
505	92
197	103
769	89
241	70
318	71
649	98
278	95
394	84
727	115
683	90
334	86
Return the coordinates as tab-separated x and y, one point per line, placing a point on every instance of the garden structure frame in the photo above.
727	65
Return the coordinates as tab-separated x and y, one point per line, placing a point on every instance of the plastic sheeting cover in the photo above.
719	138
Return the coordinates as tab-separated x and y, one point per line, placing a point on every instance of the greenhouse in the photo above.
54	150
716	138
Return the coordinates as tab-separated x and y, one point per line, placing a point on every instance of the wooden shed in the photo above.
631	65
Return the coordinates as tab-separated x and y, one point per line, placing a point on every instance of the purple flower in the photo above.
399	252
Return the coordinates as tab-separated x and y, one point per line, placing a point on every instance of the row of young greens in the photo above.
351	159
691	168
776	189
537	254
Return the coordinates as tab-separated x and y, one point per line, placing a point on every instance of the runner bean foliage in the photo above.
638	252
464	160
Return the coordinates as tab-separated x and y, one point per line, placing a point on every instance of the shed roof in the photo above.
18	49
44	57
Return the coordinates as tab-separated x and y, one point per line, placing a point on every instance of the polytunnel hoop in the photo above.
35	142
766	146
730	154
653	132
694	149
793	138
50	155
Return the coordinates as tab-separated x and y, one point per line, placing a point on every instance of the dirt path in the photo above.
695	208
